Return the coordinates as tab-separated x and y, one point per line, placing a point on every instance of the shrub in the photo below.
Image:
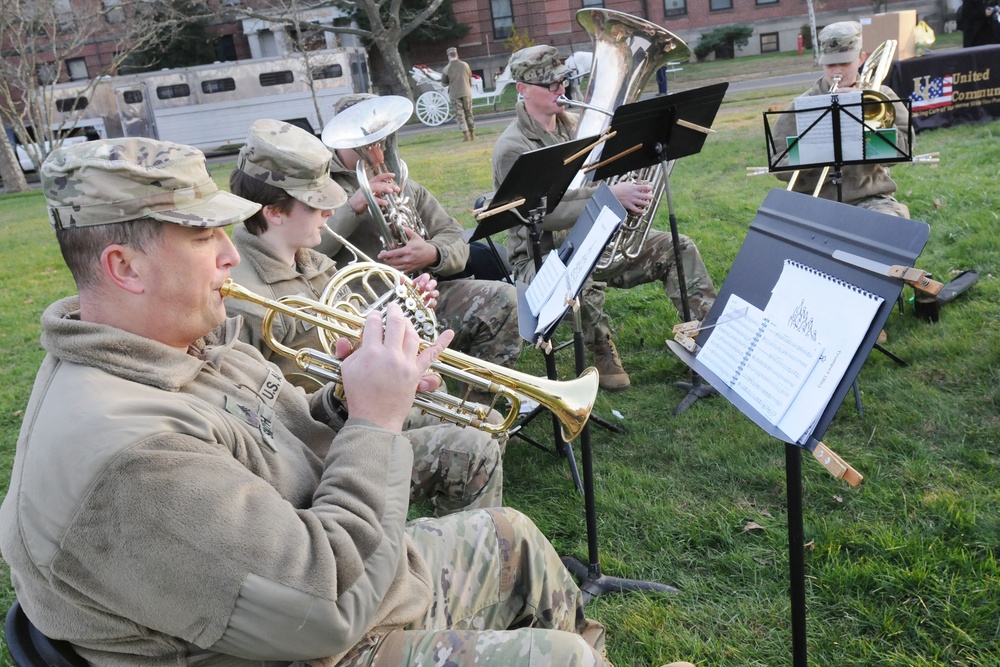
516	41
723	41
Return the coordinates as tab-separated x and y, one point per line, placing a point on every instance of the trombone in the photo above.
570	401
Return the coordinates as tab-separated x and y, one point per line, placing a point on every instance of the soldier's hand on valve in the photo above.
417	254
383	372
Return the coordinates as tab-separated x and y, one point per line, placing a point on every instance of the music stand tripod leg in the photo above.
697	388
592	581
562	447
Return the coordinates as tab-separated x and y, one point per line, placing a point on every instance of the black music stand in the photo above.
524	198
523	192
661	130
836	239
785	154
829	125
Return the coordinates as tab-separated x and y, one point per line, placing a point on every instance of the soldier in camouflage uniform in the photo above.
482	313
175	501
286	170
865	185
457	75
541	121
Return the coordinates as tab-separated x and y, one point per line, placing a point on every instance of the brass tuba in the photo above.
570	401
627	51
368	128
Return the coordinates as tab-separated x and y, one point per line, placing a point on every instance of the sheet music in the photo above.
765	361
568	283
816	143
553	272
585	257
835	314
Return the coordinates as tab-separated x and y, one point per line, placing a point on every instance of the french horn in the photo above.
369	128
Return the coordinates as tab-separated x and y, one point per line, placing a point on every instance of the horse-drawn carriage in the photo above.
433	106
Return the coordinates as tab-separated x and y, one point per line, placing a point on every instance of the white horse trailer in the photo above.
212	107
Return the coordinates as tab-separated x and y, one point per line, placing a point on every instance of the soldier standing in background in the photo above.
458	77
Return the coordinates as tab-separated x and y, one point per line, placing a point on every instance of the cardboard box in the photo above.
899	26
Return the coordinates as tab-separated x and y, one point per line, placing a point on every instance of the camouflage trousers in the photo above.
884	204
655	262
463	113
501	597
455	468
483	314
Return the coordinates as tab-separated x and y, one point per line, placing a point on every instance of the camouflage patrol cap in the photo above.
538	64
452	51
292	159
116	180
840	43
348	101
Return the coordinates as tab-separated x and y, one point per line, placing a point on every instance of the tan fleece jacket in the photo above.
522	135
169	508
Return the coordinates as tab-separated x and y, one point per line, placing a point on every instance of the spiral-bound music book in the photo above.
787	359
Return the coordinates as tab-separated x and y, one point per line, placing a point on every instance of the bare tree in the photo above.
40	37
390	23
10	167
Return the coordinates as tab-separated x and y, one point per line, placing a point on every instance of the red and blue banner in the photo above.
951	87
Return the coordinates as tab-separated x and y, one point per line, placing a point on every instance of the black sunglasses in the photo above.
552	87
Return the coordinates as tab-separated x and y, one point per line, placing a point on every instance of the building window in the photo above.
767	2
503	18
46	73
276	78
329	72
592	3
67	104
132	96
719	5
77	68
170	92
225	48
113	12
769	42
675	8
218	85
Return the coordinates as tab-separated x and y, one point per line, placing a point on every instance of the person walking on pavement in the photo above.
458	77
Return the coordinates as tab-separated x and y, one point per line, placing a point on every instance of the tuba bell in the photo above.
368	128
627	51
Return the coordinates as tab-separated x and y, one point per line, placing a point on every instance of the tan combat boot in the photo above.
465	136
609	365
472	135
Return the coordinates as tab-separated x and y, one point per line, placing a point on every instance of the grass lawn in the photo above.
901	571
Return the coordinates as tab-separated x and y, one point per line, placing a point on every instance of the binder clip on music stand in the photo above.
520	194
659	131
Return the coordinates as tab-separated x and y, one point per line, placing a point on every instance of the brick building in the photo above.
777	24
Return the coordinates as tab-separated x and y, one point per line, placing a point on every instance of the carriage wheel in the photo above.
433	108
